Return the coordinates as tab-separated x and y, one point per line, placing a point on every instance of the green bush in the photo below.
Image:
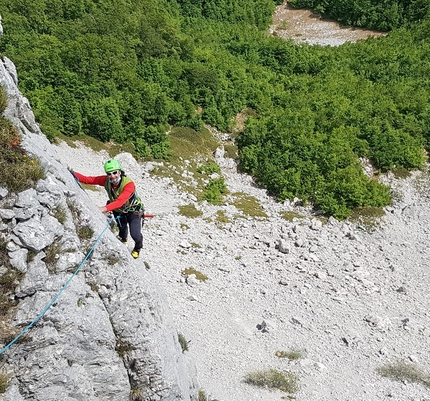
376	15
214	190
20	171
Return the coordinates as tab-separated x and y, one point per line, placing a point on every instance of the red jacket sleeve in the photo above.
97	180
122	198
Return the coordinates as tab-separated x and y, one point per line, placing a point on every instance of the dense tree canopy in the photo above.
126	71
384	15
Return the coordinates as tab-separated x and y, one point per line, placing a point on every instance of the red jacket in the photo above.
101	180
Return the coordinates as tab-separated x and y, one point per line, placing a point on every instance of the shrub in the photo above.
291	355
215	190
402	371
84	231
19	171
273	379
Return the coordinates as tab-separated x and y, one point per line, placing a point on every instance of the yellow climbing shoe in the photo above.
135	253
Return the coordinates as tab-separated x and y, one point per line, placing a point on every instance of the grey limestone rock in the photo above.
37	234
18	259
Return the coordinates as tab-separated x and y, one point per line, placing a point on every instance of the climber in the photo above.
123	202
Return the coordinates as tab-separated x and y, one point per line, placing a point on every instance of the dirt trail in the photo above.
303	26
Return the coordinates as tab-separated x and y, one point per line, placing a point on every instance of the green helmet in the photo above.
112	165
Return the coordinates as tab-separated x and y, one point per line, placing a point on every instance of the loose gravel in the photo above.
348	297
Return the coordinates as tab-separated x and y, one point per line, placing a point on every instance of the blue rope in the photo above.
56	296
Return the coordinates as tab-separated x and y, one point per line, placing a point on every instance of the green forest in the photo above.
127	71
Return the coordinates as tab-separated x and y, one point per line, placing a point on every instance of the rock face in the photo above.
109	335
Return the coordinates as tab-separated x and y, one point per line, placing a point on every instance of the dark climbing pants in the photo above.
133	221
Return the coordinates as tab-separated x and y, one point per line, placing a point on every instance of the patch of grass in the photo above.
183	342
111	148
113	259
190	211
199	276
209	168
4	256
403	371
187	143
202	396
123	347
8	334
248	205
292	355
10	280
94	286
221	218
136	394
4	381
283	25
60	214
184	226
401	173
8	283
231	151
31	255
189	150
290	216
74	209
84	231
19	170
3	100
273	379
52	254
368	217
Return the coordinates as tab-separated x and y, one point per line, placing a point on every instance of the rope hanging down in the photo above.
56	296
